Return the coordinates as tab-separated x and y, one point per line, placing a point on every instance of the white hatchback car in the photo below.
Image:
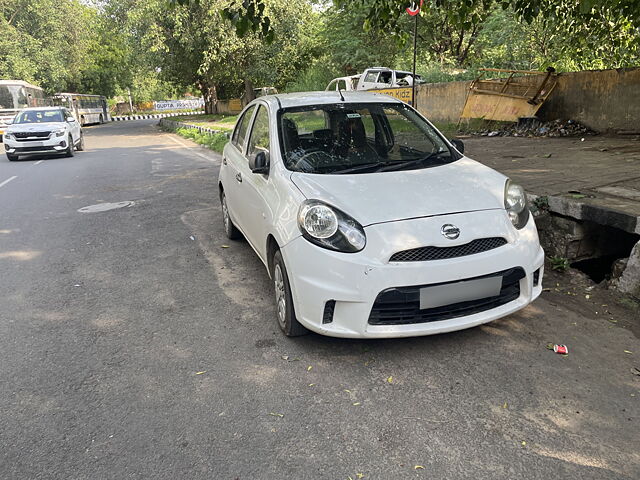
43	130
370	223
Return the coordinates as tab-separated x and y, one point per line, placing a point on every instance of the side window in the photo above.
371	77
260	133
385	77
240	133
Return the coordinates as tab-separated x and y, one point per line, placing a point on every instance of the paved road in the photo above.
128	350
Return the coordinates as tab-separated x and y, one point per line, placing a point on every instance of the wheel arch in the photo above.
272	248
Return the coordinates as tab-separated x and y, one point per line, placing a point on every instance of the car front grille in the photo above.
23	136
424	254
401	306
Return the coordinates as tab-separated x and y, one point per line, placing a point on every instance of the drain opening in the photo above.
597	269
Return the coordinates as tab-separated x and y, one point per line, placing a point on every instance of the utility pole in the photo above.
130	101
415	55
414	11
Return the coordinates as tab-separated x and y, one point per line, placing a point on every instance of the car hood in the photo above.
35	127
461	186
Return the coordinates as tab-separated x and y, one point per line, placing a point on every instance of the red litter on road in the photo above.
561	349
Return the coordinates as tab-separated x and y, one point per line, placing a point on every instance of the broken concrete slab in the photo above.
629	281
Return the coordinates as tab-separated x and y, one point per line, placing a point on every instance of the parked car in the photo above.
370	222
43	130
381	77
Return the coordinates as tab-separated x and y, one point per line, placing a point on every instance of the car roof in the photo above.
302	99
30	109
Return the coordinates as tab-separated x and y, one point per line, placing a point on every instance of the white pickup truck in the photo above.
374	78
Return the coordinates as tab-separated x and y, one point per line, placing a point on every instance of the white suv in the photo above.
37	131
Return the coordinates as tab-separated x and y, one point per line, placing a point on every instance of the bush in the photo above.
215	142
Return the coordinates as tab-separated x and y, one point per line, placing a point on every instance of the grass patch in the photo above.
215	142
215	122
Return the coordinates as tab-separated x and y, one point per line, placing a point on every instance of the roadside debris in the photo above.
193	239
536	128
559	349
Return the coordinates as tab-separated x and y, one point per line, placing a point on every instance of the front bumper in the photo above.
45	146
351	283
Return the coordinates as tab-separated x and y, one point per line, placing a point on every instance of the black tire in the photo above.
12	157
285	311
230	229
101	120
71	150
80	146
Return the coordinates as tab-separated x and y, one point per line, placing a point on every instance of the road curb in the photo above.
151	116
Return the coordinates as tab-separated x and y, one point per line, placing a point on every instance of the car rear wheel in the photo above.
285	311
230	229
12	157
70	152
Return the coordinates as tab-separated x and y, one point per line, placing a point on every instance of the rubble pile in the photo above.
536	128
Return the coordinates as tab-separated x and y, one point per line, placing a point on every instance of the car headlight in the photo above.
60	133
330	228
515	202
7	136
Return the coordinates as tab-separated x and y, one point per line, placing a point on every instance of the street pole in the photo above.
415	53
130	101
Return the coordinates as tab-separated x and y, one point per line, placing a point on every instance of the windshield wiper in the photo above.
362	167
394	166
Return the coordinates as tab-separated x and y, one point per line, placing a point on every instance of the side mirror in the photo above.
459	144
259	163
8	121
71	119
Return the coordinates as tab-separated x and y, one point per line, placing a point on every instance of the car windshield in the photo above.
39	116
359	138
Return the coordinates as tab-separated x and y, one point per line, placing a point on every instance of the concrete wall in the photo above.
442	102
604	100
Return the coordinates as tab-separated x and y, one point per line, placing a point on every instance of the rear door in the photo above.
232	167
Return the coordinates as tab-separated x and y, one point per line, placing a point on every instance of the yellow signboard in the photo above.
401	93
235	105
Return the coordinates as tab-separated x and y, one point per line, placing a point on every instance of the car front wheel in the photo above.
80	146
70	152
229	228
284	300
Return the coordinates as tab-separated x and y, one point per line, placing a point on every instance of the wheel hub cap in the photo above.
281	302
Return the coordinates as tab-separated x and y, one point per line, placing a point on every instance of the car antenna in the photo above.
340	92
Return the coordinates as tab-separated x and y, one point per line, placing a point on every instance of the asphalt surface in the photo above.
129	350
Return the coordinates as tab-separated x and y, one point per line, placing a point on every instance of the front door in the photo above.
255	209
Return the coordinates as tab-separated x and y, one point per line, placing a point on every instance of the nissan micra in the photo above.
370	222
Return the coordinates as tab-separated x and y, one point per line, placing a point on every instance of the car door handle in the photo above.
239	177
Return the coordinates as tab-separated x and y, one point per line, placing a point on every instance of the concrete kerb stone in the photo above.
151	116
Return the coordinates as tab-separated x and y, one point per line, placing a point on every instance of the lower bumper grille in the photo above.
401	306
36	149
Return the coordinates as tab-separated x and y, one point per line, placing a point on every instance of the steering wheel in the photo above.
315	158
